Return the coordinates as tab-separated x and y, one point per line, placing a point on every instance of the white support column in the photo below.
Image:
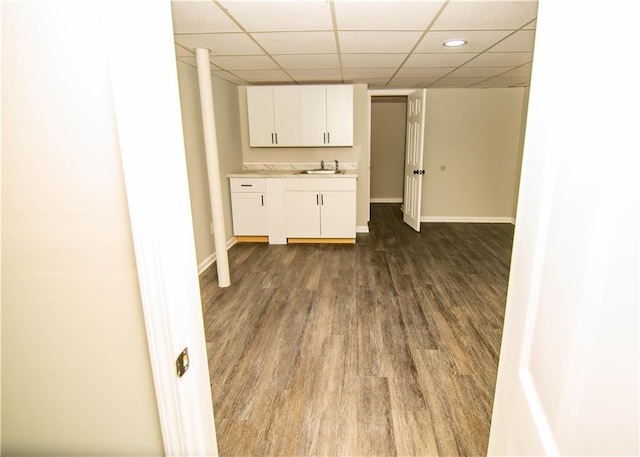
213	166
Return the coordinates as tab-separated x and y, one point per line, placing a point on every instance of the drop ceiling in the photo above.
385	44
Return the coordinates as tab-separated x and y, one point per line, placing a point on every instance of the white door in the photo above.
286	115
260	113
568	376
149	130
313	116
340	115
249	214
413	171
338	214
302	209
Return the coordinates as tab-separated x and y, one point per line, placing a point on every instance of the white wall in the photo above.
568	378
227	113
76	375
475	135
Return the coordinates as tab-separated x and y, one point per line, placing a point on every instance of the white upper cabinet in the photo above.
340	115
313	109
286	115
281	116
326	115
274	116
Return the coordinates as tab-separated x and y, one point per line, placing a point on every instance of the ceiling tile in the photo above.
221	43
439	60
504	81
487	72
486	15
307	61
363	73
430	72
277	16
297	42
519	41
244	62
380	15
229	77
192	61
477	40
524	70
372	60
501	59
322	75
409	83
260	76
457	82
200	17
182	52
378	42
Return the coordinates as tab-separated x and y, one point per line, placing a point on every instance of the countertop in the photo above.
288	174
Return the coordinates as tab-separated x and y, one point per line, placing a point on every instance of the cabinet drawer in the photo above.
320	184
247	184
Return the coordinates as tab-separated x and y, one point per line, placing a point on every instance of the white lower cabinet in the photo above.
249	209
320	208
294	207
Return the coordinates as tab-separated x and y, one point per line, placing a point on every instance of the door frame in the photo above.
381	93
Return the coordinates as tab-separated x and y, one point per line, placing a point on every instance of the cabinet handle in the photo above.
246	185
322	199
262	199
324	137
272	138
328	137
276	137
317	199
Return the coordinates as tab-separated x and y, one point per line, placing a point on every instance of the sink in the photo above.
320	171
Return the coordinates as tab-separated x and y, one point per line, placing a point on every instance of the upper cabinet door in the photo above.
313	110
260	113
340	115
286	115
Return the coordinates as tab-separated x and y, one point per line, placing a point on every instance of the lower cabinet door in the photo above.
338	214
249	214
302	214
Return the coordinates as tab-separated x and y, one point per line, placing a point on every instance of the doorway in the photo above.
388	137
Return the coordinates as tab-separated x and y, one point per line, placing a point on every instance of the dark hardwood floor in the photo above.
382	348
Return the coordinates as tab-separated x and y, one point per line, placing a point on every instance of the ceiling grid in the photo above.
383	43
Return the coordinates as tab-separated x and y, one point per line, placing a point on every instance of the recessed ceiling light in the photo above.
454	43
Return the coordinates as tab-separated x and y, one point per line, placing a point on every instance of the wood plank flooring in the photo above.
386	347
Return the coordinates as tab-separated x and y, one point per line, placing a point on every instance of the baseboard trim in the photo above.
206	263
385	200
469	220
362	229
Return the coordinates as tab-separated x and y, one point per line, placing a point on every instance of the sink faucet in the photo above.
336	164
322	164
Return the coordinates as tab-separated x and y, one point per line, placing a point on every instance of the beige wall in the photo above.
388	125
476	135
523	128
225	98
359	153
76	374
